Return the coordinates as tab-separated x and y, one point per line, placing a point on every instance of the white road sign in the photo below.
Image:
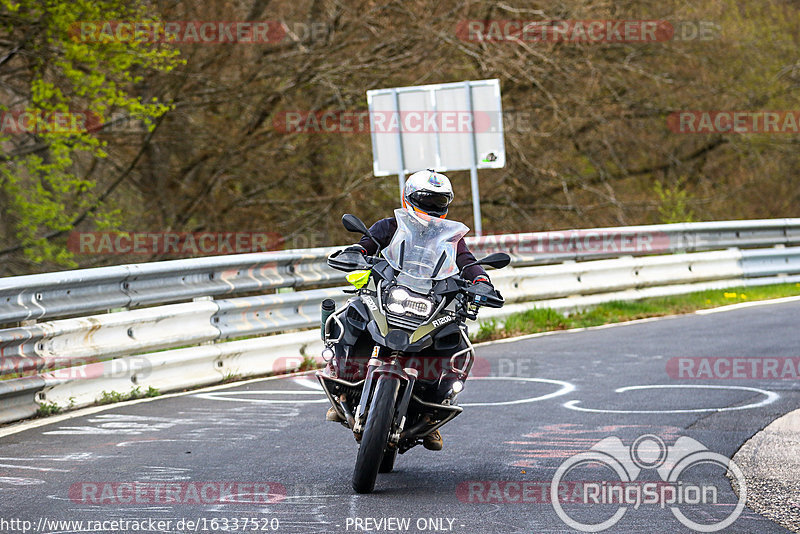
445	127
435	126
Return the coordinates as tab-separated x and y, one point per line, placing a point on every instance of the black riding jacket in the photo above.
384	230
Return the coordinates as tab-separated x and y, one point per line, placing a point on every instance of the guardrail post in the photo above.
201	299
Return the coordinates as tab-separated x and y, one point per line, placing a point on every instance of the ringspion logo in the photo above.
626	492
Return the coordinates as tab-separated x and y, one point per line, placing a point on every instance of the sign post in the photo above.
445	127
473	167
401	171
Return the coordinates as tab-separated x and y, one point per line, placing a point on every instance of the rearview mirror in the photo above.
498	260
354	224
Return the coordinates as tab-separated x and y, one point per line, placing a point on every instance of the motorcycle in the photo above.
401	347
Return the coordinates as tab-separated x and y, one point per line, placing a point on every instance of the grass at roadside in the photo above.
110	397
546	319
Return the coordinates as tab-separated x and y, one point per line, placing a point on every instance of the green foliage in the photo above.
673	204
84	80
110	397
543	319
546	319
486	330
309	363
48	408
230	376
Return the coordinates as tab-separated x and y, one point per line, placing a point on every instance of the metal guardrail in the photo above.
70	293
73	293
767	262
78	354
589	244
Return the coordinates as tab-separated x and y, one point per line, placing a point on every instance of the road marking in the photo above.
748	305
770	397
11	466
232	396
566	387
120	424
22	426
308	383
17	481
229	396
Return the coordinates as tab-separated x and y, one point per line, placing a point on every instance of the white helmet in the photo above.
428	192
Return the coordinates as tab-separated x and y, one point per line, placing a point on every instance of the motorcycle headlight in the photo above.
400	302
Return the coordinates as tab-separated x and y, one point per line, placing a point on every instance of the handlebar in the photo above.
344	260
480	298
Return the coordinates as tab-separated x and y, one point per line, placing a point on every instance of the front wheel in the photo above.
376	434
387	464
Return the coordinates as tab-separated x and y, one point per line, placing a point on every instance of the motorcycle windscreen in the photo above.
423	249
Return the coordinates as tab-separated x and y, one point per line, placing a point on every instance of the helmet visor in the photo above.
429	201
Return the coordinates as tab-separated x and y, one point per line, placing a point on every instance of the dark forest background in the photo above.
586	129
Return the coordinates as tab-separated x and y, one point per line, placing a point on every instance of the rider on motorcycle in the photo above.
426	194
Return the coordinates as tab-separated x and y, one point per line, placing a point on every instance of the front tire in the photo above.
376	434
387	464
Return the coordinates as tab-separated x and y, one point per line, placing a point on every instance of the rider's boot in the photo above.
433	441
333	415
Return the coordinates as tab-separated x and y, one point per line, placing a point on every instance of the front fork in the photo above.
377	369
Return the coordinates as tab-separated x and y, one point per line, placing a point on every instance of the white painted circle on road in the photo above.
242	396
769	398
566	387
233	396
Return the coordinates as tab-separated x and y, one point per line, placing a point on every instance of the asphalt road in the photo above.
533	405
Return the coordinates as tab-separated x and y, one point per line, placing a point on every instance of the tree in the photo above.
59	86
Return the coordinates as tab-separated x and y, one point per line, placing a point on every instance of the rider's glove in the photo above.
483	286
356	248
